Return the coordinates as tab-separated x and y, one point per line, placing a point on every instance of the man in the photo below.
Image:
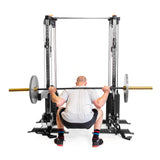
79	112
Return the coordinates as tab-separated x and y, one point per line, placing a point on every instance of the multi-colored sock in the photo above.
60	133
96	134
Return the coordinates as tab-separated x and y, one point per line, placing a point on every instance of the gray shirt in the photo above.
79	105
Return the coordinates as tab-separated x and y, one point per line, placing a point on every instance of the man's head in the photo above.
81	81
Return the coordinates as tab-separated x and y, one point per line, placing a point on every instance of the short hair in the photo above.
81	79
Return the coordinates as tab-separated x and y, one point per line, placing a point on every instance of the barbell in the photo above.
34	88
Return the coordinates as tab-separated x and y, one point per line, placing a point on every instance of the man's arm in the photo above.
55	99
102	100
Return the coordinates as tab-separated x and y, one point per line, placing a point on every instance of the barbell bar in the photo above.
34	88
69	88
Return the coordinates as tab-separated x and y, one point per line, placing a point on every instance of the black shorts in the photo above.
85	125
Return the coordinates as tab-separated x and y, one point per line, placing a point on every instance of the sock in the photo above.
96	134
60	133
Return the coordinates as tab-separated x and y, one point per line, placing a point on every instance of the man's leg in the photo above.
60	129
97	127
58	119
99	120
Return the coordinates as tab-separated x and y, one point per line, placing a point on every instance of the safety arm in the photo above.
58	100
101	100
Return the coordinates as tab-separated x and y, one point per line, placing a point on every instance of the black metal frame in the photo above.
112	120
49	117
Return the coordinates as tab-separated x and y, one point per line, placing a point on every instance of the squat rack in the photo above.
112	120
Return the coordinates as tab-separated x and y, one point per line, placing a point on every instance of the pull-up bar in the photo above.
55	18
81	17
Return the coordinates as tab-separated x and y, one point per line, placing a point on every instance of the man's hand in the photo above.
106	89
102	100
52	90
55	99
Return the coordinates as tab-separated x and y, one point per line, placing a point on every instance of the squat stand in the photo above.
113	103
49	117
112	120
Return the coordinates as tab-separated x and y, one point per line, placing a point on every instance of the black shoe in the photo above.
97	142
59	141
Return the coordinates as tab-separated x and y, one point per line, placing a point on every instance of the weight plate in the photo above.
126	90
32	93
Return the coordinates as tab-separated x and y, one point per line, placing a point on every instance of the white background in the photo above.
80	50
